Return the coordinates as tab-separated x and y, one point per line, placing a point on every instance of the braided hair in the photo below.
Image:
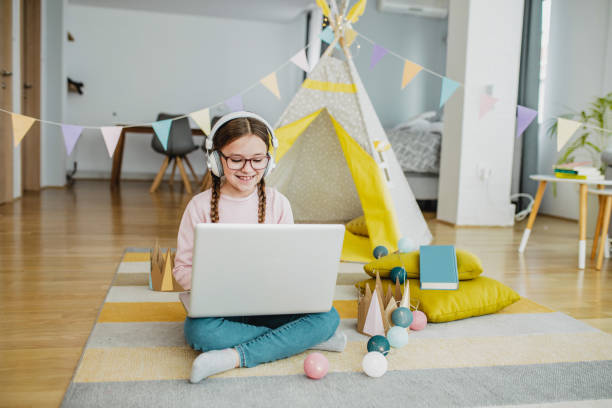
230	131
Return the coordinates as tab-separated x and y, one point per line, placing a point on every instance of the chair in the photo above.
180	143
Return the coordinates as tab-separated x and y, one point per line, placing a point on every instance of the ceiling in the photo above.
264	10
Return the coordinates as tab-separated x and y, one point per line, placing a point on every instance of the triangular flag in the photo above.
487	102
202	118
327	35
565	130
21	125
111	137
349	36
162	130
374	323
377	53
235	103
524	117
410	71
301	61
71	135
271	84
448	88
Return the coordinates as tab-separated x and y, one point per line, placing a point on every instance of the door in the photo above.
30	92
6	94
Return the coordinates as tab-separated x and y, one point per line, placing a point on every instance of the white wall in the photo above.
53	89
136	64
16	95
419	39
477	28
578	70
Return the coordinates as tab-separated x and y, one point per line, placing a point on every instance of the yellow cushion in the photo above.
468	265
474	297
358	226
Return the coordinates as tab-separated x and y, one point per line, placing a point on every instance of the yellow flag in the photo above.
356	11
324	7
349	36
565	129
21	125
410	71
202	118
271	83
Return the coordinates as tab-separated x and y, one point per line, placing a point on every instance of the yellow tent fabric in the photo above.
375	200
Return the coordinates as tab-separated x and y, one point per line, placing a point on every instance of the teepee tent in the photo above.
335	162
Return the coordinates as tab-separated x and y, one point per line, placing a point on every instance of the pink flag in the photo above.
377	53
301	61
111	137
71	135
487	102
373	324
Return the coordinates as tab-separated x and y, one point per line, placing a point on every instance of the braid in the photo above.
261	192
214	199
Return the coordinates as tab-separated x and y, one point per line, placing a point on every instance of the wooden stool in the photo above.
603	222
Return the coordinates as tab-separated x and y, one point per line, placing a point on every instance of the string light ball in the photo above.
419	320
406	244
374	364
316	366
398	273
397	336
380	251
379	344
402	317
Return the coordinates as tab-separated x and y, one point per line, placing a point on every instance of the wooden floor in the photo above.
59	249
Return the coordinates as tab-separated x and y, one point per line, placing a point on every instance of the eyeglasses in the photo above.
238	162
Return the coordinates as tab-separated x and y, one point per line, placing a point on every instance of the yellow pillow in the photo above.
474	297
468	265
358	226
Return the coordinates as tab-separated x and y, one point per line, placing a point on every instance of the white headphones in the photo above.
214	159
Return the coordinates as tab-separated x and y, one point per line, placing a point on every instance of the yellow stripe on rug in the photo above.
168	363
136	257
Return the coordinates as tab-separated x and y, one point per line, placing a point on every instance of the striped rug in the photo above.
526	354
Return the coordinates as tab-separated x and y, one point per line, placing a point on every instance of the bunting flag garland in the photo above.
71	136
448	88
377	53
524	117
111	137
410	71
565	130
271	84
235	103
301	61
349	36
202	118
21	125
162	130
487	102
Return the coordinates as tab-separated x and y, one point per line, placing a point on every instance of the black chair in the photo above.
180	143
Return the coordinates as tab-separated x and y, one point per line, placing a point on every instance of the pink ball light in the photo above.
316	366
419	320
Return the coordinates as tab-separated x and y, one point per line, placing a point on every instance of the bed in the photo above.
417	146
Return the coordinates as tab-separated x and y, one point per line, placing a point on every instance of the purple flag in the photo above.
377	53
235	103
71	135
524	117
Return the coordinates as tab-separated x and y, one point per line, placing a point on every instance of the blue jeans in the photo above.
260	339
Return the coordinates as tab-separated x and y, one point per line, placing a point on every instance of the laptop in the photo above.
263	269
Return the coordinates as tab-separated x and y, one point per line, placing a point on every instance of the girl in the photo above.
238	147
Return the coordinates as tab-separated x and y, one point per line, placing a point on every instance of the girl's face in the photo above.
242	182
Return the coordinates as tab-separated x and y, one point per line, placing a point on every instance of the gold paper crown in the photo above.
387	302
162	279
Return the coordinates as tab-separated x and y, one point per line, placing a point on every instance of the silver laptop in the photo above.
263	269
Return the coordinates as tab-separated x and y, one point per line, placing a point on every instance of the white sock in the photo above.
211	363
337	342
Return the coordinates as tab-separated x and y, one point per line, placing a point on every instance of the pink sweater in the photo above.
232	211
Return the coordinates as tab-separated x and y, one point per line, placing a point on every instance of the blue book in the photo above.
438	267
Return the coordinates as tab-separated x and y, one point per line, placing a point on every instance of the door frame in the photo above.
6	101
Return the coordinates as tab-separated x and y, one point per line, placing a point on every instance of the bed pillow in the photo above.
475	297
358	226
468	265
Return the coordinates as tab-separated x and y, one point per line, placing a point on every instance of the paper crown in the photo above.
374	309
161	278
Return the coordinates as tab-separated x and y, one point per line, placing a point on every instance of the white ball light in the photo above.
374	364
405	245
